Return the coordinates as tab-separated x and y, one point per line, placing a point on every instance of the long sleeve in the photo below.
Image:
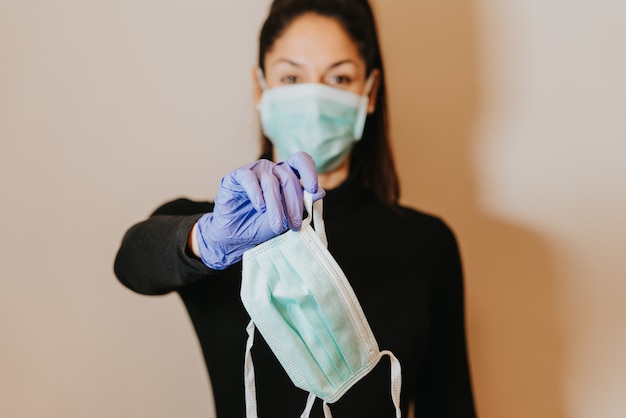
404	267
444	388
154	257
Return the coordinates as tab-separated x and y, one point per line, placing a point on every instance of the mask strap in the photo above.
249	384
327	413
359	124
309	405
396	387
315	209
261	78
396	380
369	83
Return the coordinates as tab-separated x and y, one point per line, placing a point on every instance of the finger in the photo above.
304	167
292	199
247	181
271	188
320	194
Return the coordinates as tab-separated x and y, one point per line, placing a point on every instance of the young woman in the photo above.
320	91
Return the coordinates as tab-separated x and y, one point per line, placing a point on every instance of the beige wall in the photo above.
508	120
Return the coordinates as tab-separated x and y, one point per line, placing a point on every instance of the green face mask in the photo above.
303	305
323	121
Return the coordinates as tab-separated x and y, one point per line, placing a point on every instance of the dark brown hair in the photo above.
371	156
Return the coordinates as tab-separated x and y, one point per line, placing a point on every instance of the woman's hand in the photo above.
255	203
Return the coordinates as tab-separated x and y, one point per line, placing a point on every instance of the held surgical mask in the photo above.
304	307
320	120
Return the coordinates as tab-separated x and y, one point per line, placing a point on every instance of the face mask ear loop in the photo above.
369	83
315	209
309	405
261	79
250	386
327	413
359	124
396	380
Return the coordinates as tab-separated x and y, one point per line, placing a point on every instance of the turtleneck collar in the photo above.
346	197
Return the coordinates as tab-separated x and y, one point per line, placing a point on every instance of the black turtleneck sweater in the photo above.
404	267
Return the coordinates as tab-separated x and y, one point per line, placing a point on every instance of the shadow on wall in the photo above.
435	101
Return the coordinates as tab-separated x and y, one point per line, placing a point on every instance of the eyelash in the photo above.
289	79
340	79
333	80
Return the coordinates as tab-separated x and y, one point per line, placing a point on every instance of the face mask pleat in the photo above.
304	306
299	308
321	120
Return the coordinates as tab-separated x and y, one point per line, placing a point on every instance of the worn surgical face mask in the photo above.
304	307
323	121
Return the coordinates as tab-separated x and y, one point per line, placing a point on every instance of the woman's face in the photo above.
315	49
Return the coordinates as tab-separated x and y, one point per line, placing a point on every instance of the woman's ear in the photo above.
373	94
257	90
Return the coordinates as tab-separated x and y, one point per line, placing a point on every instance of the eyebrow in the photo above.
299	65
287	61
339	63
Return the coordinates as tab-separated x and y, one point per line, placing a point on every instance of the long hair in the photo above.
371	155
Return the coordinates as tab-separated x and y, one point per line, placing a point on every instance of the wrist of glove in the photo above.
255	203
217	251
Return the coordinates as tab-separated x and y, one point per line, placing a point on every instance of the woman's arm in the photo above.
255	202
155	257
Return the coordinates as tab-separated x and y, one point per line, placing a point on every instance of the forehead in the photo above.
316	40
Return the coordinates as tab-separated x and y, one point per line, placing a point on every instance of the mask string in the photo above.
309	405
396	380
327	413
359	124
369	83
250	386
315	211
261	78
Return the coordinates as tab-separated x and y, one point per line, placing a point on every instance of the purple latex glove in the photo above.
255	203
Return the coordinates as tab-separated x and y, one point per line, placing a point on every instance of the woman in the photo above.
320	88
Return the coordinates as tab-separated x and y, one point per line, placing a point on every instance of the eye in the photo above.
341	80
289	79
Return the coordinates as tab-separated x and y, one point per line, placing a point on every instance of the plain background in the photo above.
508	119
